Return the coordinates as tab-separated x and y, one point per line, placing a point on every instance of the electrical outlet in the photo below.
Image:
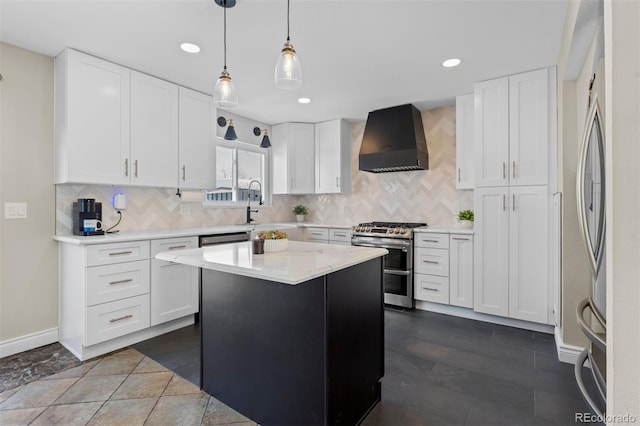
185	209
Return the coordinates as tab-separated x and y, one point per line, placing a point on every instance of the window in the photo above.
238	165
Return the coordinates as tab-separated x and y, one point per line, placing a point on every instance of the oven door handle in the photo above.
386	246
395	272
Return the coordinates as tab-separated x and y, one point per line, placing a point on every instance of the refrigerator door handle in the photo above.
582	358
595	337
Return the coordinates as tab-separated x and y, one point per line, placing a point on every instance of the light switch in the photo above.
15	210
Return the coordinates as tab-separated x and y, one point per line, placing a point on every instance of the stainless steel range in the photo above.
397	238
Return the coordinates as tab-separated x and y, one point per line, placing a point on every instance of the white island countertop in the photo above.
301	262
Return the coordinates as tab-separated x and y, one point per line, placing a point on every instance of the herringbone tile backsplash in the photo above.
413	196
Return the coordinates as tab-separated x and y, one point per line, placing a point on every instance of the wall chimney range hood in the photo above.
394	141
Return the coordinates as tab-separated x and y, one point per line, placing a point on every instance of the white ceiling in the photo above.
356	55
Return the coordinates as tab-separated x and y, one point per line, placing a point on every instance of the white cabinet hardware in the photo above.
178	247
120	253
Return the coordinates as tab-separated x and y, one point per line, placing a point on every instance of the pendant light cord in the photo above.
288	7
225	37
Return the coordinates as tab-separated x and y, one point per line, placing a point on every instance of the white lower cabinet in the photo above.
328	235
443	268
511	253
115	294
174	287
109	320
461	270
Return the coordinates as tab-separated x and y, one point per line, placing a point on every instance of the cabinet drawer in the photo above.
431	240
318	234
110	320
339	235
432	261
168	244
107	283
106	254
431	288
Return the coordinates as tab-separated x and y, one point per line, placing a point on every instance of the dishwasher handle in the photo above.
211	240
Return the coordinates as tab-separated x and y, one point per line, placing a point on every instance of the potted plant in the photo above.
274	240
465	217
300	211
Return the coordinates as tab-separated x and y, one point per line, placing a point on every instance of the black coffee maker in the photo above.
87	217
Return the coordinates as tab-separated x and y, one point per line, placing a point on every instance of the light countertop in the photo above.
181	232
302	261
445	229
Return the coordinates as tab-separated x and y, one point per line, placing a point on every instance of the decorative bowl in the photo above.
271	246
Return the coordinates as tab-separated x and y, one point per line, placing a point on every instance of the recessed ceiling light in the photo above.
190	47
453	62
304	100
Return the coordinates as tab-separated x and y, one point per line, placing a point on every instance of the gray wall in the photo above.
28	255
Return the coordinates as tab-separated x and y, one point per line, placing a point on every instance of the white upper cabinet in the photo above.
464	141
91	120
512	130
529	128
293	146
333	157
154	131
197	150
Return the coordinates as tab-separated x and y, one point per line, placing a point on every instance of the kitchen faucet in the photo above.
249	209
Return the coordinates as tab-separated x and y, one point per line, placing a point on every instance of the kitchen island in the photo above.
292	337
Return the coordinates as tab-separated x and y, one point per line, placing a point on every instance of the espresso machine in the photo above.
87	217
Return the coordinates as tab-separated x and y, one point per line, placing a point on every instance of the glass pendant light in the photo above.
224	94
288	74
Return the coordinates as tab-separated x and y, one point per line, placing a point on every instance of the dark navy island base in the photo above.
305	354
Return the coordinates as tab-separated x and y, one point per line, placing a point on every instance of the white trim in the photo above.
457	311
28	342
566	353
87	352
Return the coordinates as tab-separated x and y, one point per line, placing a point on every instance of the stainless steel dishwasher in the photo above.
216	239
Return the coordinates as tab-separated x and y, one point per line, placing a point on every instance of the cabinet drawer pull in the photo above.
430	288
316	233
135	168
121	281
340	235
430	261
430	241
177	247
184	172
460	239
126	167
120	253
121	318
513	170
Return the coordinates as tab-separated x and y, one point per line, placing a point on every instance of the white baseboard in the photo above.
28	342
457	311
566	353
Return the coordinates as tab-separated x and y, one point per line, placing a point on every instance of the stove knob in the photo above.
397	231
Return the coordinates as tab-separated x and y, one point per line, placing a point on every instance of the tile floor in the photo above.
124	388
439	370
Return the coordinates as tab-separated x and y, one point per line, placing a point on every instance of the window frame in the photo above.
266	184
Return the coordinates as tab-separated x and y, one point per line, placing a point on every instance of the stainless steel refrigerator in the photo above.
591	312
